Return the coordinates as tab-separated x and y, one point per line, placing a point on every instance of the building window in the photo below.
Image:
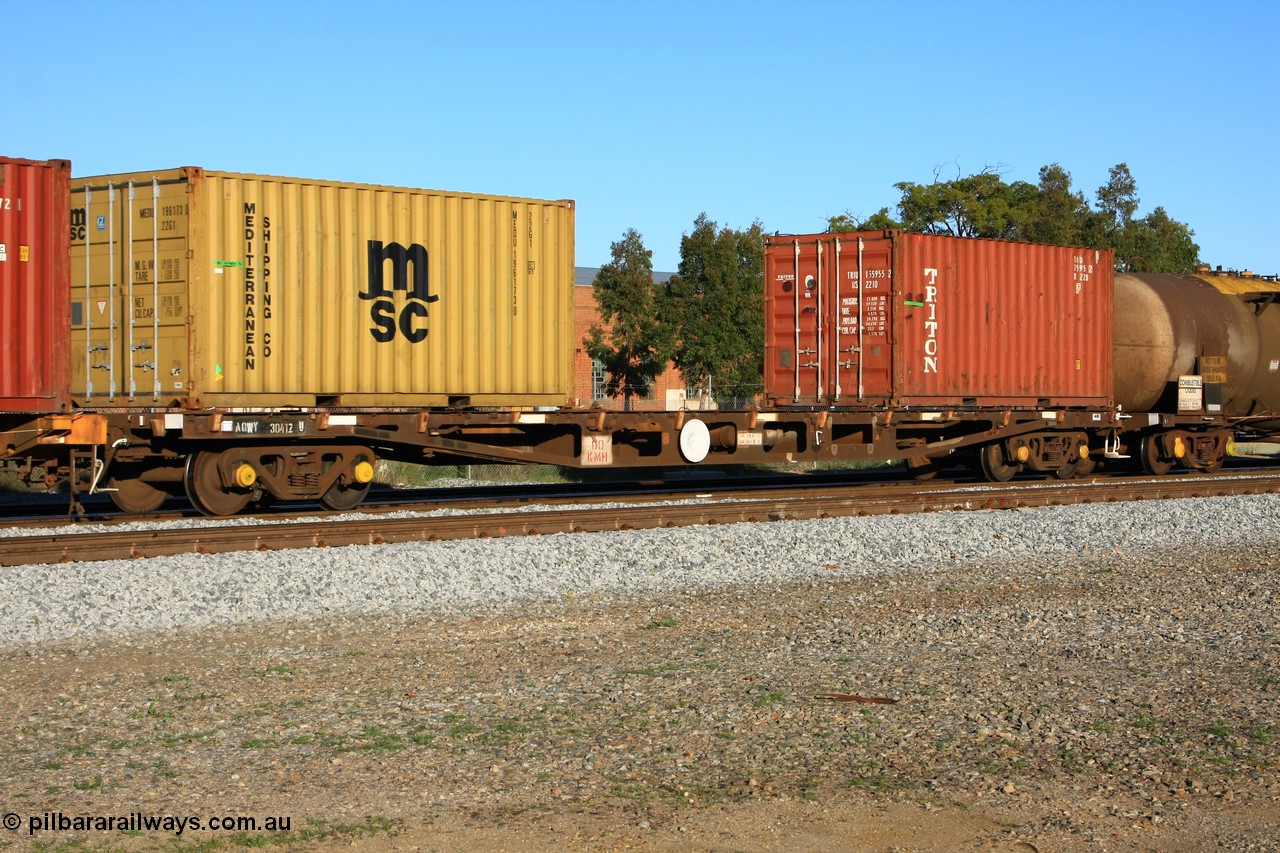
598	378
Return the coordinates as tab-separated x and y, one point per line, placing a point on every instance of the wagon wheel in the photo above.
344	496
1067	471
923	468
994	468
131	493
205	489
1150	456
1077	467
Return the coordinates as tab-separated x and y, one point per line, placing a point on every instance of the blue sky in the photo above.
650	113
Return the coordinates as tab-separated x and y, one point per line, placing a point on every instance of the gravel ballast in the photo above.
84	600
1098	678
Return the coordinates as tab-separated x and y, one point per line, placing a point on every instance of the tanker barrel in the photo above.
1169	326
1254	450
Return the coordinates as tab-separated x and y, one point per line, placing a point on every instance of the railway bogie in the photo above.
1160	451
1058	453
222	477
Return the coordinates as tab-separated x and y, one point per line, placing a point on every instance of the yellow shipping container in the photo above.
206	289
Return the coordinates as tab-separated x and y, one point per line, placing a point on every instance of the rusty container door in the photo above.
990	323
34	229
826	321
791	321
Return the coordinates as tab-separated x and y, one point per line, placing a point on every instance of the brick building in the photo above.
668	390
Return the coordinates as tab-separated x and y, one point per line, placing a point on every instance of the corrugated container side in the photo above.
306	292
897	319
34	234
1017	324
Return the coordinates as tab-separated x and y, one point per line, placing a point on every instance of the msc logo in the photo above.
388	320
78	222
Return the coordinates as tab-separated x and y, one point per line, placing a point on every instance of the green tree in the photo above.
714	307
1155	242
983	205
1160	244
978	205
1056	213
1118	198
878	221
634	347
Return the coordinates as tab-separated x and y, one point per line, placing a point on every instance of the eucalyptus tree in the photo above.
631	341
714	308
1051	211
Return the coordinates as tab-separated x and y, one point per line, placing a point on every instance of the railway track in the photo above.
518	519
52	511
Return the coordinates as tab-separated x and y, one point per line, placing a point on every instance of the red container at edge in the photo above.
35	320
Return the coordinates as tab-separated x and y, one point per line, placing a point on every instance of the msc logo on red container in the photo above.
389	320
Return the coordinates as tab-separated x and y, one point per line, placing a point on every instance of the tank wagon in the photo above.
1225	328
1204	346
243	337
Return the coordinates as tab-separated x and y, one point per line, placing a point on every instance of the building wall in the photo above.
668	389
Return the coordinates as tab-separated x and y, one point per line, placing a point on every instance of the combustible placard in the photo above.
1190	394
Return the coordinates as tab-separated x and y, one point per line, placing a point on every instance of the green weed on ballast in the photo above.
769	699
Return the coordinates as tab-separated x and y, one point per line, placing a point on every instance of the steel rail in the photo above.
795	504
479	496
45	513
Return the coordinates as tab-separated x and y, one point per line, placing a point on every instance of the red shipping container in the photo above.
35	313
897	320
